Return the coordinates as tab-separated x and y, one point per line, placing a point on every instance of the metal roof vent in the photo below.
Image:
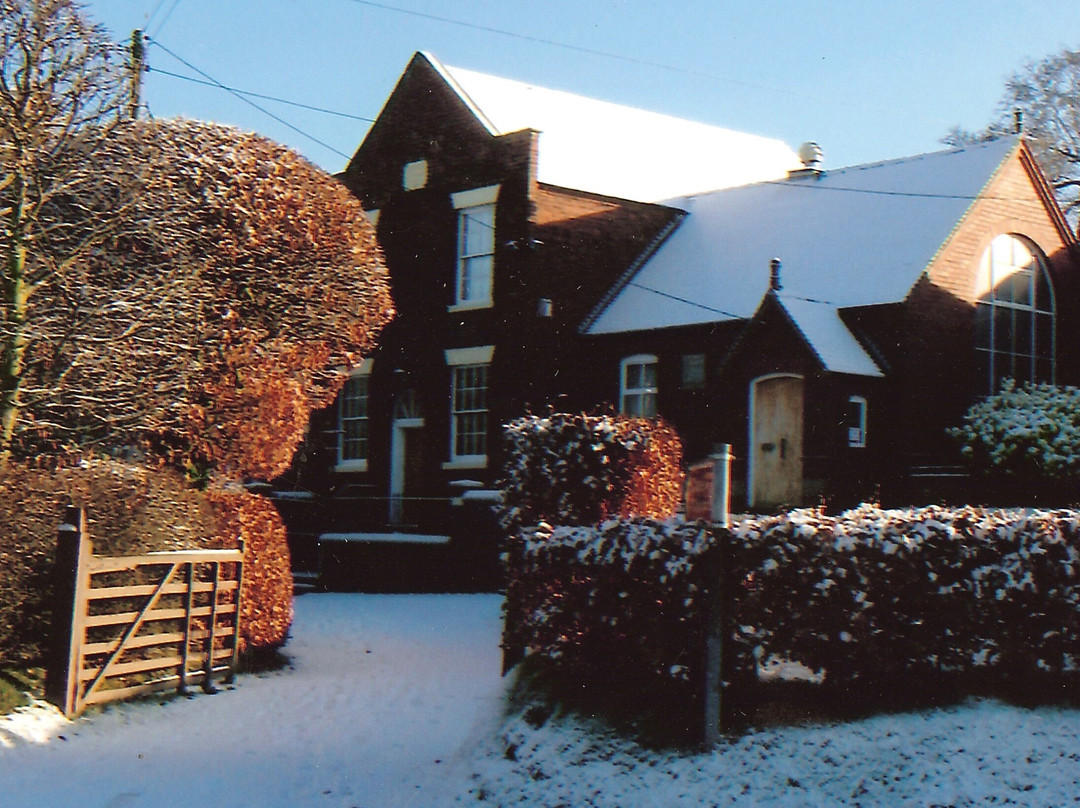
810	155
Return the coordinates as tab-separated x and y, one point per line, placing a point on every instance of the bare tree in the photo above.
1044	97
60	98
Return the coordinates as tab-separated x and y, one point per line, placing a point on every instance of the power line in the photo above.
248	101
644	288
609	55
164	19
194	80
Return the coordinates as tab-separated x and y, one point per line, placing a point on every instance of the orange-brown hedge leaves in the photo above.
573	469
238	285
652	478
129	510
266	596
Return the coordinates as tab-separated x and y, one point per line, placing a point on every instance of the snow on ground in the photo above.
978	754
382	688
395	700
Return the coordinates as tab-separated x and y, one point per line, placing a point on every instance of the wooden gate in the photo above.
132	625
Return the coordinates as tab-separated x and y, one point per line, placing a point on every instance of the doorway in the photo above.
406	456
776	441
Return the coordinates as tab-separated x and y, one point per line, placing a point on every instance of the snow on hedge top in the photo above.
854	236
614	150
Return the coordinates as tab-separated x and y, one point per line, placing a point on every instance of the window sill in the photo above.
351	465
476	462
469	305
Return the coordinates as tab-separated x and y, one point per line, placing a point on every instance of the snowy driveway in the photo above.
385	691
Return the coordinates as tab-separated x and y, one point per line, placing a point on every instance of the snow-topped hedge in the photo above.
614	600
573	469
1029	430
878	592
869	593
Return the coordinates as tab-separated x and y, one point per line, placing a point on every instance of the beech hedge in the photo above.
577	469
867	594
131	509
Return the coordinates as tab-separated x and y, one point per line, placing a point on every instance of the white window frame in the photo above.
997	264
458	359
642	390
856	435
467	203
361	371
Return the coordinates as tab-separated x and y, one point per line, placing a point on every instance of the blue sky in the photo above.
867	80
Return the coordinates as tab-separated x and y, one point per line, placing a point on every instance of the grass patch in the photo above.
18	686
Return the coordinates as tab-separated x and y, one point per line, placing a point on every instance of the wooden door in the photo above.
776	442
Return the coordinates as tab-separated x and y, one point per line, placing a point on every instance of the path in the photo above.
384	690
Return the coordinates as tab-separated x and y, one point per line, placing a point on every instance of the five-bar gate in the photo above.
128	626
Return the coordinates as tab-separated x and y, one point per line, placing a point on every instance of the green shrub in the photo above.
1033	430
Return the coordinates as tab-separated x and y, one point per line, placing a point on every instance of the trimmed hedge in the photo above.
579	469
130	509
266	610
865	595
616	601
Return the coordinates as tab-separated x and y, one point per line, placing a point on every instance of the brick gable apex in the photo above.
424	118
1017	199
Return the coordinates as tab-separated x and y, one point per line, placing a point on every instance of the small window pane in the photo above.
693	371
638	394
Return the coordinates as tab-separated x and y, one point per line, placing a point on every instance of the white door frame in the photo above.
751	454
397	462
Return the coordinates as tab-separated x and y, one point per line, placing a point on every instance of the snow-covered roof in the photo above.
609	149
849	237
826	334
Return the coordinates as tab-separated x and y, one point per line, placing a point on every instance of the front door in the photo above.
776	442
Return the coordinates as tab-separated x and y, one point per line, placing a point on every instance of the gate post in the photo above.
70	582
715	562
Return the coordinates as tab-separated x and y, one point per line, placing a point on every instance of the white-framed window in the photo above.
1014	316
469	406
637	386
855	422
693	371
475	247
352	417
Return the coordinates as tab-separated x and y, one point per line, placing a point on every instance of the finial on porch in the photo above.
774	275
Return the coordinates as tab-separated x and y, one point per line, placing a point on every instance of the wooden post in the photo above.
189	604
208	665
71	580
715	561
234	662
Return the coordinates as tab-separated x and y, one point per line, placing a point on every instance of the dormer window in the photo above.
475	247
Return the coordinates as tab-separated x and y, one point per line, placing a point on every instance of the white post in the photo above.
721	486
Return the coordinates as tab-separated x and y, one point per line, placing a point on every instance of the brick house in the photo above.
550	250
832	325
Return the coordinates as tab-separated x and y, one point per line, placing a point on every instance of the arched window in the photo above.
1014	317
637	387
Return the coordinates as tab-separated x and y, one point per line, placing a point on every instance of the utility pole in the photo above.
136	63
